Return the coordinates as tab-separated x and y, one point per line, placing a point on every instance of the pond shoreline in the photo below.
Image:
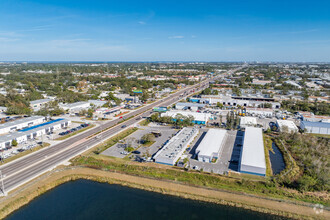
25	195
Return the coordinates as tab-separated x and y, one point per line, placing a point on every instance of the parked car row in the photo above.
14	152
73	129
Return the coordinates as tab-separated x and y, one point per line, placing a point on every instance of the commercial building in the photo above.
189	105
199	118
175	147
33	132
127	98
20	124
38	104
97	103
211	145
315	127
286	126
237	101
3	109
259	112
76	106
247	122
252	159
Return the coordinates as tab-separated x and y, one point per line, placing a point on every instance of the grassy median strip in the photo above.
21	154
74	133
114	140
144	122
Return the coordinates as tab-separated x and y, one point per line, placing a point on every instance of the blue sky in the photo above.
70	30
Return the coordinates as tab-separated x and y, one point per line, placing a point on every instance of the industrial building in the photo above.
199	118
315	127
211	145
20	124
189	105
252	159
38	104
247	122
286	126
175	147
97	103
76	106
259	112
237	100
33	132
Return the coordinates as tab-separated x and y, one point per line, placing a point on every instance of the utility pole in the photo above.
2	184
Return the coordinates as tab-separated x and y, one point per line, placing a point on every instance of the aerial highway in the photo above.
26	168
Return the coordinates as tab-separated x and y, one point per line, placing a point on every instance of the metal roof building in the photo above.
252	159
175	147
189	105
286	126
315	127
76	106
211	145
33	132
199	118
20	124
37	104
247	122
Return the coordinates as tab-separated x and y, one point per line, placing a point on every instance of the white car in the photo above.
14	152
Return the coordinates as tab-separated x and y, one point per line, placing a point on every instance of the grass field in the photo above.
144	122
238	184
25	194
112	141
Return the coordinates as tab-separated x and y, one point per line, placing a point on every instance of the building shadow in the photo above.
193	149
236	153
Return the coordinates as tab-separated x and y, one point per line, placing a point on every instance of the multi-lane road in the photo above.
24	169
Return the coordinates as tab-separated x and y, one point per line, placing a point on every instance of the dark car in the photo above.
136	152
124	126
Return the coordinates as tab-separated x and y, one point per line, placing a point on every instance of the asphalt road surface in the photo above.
24	169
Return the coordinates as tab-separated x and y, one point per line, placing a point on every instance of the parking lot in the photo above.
224	162
30	144
118	150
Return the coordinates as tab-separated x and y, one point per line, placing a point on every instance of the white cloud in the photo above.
176	37
142	22
7	39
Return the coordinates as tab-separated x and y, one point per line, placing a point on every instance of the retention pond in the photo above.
83	199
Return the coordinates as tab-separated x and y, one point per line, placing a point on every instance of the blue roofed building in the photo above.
315	127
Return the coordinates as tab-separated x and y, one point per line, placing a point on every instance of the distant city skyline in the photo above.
136	31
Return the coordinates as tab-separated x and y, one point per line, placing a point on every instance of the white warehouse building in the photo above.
286	126
247	122
189	105
315	127
252	159
20	124
33	132
76	106
175	147
199	118
211	145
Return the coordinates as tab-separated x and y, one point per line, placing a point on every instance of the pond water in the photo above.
83	199
276	159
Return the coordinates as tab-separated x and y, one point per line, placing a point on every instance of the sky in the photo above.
168	30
